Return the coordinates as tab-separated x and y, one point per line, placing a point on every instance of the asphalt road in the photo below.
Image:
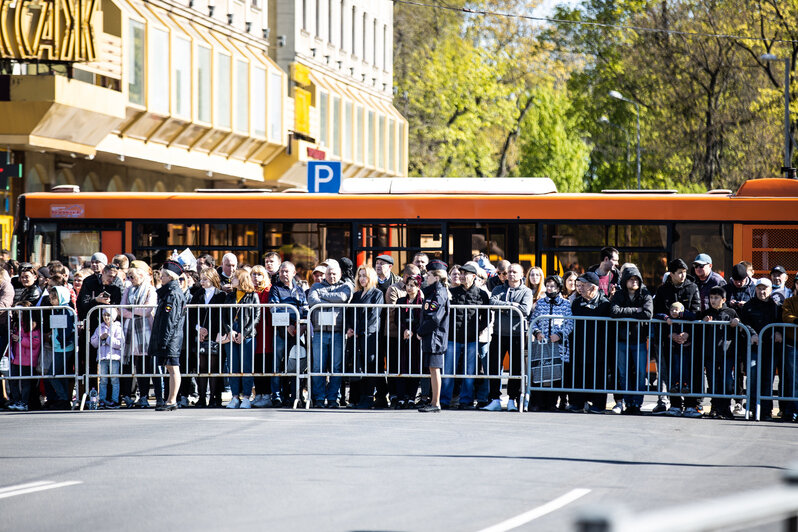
199	469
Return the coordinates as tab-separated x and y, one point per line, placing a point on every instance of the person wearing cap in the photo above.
464	328
757	314
740	288
385	277
434	329
607	270
328	339
319	272
508	333
677	288
286	291
588	369
778	276
724	347
166	340
789	315
705	278
549	344
632	300
383	265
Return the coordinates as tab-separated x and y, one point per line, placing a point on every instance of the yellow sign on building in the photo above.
302	110
55	30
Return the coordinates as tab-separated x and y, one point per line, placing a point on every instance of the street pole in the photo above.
787	143
637	111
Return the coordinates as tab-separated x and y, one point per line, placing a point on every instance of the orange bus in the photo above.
505	219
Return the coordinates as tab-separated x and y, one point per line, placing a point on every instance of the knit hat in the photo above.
100	257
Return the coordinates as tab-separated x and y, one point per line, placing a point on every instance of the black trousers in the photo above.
499	346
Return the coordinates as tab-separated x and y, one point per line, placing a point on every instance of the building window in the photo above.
275	106
158	59
374	43
392	145
305	15
259	102
402	144
182	84
381	143
203	84
222	96
135	84
354	30
330	22
372	139
385	47
343	13
242	97
336	129
324	103
318	18
365	35
359	134
348	119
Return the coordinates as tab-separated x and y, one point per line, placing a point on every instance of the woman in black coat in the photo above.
240	327
410	349
363	327
204	325
434	329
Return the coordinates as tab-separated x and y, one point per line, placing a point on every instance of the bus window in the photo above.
79	246
468	240
690	239
307	244
527	234
44	239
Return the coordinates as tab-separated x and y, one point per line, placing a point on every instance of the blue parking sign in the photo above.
324	176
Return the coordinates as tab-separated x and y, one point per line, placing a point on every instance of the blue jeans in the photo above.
327	352
454	353
482	386
631	366
240	357
110	367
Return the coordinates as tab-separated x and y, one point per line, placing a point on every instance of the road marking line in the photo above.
540	511
23	486
33	487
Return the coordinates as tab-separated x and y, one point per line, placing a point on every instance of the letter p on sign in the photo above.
324	176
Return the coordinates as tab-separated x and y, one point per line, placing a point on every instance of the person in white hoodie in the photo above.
109	340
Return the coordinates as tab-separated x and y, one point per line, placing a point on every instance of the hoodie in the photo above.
637	306
109	348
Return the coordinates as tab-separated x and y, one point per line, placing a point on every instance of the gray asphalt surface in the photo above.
200	469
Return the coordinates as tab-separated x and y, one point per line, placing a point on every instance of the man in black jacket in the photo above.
167	329
466	325
757	314
677	288
588	369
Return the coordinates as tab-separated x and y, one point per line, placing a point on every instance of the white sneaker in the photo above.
262	401
618	408
691	412
245	403
493	406
739	410
674	411
234	402
511	406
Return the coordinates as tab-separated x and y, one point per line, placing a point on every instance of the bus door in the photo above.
498	241
400	240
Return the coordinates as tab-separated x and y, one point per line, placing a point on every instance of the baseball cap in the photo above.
589	277
778	269
764	281
702	259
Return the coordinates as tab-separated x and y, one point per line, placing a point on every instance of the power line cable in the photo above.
639	29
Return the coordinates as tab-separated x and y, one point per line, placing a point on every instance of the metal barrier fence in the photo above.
775	369
632	358
38	343
237	342
376	347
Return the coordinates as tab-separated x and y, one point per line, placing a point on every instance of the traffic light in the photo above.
7	171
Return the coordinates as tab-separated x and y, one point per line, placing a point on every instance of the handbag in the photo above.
5	363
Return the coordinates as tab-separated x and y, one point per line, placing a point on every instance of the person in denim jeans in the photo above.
464	332
240	327
286	291
109	340
631	300
328	338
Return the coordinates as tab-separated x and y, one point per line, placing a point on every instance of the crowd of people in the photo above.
431	319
